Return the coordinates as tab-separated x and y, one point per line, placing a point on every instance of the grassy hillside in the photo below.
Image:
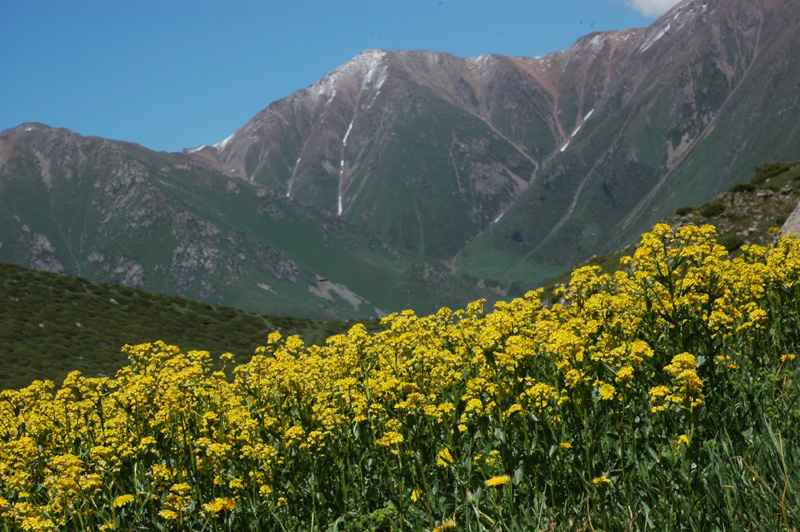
51	324
662	398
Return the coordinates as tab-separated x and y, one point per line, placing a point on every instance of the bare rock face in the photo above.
43	255
128	272
47	264
792	223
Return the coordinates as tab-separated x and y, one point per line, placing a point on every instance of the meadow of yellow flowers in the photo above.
664	397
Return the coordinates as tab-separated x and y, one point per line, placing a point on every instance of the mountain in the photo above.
415	179
117	212
518	167
698	100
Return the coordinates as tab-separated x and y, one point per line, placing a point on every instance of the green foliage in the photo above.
51	325
768	171
746	214
731	241
712	208
743	187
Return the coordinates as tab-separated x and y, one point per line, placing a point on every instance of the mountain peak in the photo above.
368	68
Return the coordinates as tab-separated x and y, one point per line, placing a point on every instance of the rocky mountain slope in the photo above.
506	169
709	93
116	212
502	162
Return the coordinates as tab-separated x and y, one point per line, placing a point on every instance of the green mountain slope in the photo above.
696	111
52	324
119	213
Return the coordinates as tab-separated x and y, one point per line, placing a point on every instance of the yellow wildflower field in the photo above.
664	396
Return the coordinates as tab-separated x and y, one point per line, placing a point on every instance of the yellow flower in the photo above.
572	378
416	494
168	515
682	439
211	418
447	525
565	445
516	407
601	481
181	489
624	374
122	500
607	392
497	481
219	504
390	438
444	458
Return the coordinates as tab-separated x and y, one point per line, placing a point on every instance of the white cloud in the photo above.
652	8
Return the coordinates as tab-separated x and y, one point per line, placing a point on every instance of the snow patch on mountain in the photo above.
652	40
687	12
349	129
679	16
369	67
221	145
483	64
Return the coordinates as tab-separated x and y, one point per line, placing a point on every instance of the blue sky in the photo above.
174	74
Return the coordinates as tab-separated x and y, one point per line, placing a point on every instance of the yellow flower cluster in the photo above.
170	439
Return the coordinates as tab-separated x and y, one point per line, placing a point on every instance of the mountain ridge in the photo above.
488	171
118	212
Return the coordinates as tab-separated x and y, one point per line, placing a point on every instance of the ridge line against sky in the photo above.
174	74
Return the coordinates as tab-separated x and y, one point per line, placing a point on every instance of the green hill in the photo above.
52	324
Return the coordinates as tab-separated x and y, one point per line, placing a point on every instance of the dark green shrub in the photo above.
744	187
712	208
683	211
770	170
731	241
